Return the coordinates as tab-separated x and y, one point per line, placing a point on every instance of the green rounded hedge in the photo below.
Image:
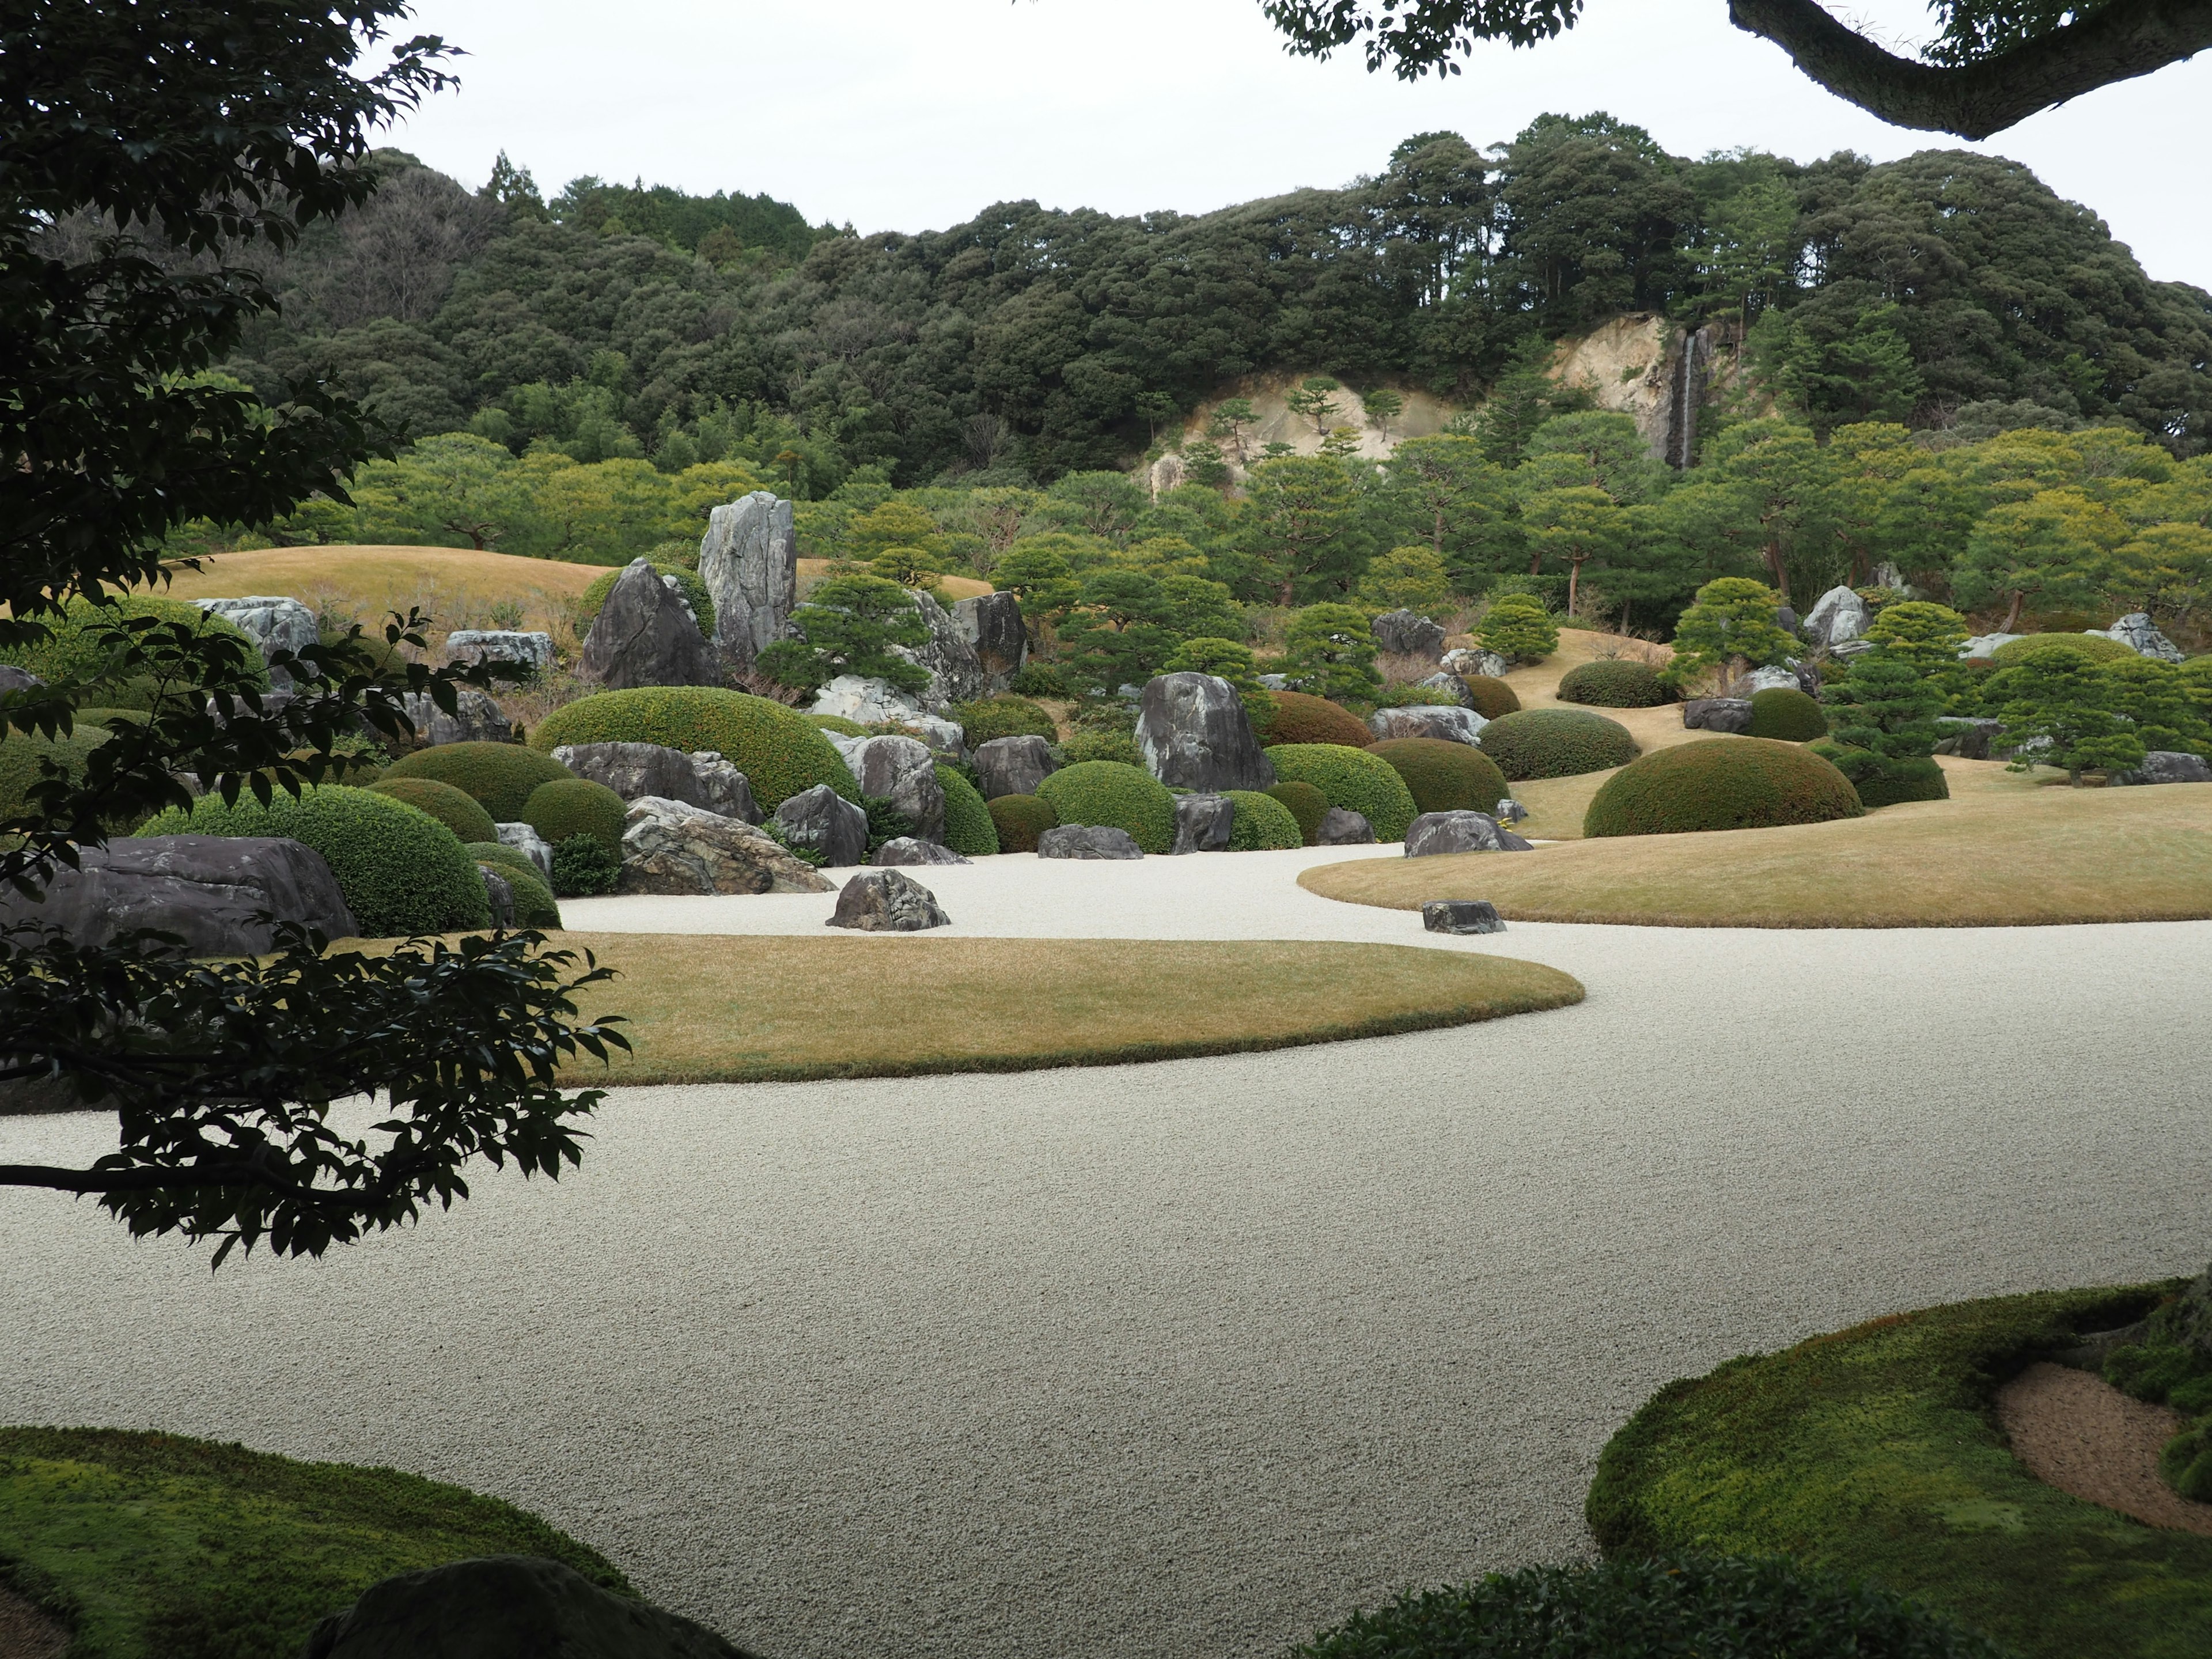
1352	779
21	753
593	598
534	905
1004	716
1884	783
1618	685
1444	776
1262	823
779	749
1556	743
1302	718
839	724
457	811
1785	715
1721	783
402	872
969	829
1493	698
576	806
1306	805
499	777
1020	819
2098	647
73	649
1114	796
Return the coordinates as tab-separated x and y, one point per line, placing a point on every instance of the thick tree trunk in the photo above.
1772	553
2011	617
1574	575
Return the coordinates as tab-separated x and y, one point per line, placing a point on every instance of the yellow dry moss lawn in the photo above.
455	585
2007	850
709	1008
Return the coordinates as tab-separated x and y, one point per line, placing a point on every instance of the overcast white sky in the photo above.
913	115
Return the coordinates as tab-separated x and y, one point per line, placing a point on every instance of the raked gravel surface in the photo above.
1190	1358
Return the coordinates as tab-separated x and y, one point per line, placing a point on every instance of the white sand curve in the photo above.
1186	1359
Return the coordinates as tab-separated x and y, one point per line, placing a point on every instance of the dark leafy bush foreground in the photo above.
1622	684
1694	1607
1354	779
1721	783
1115	796
1020	819
778	749
1444	776
1556	743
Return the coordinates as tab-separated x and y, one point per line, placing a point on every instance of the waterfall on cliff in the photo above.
1687	392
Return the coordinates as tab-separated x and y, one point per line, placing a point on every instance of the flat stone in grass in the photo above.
887	902
905	849
1461	916
1428	719
1087	841
1433	834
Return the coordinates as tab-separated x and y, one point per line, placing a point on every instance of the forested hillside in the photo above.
617	322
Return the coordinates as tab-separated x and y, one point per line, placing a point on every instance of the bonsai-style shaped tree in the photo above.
1729	625
2056	710
1331	652
848	626
1518	628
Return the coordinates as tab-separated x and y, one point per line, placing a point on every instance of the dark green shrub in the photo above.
778	749
1301	718
1119	747
593	598
1556	743
508	857
583	867
969	828
1020	819
1493	698
576	806
21	753
2098	647
1444	776
74	648
1351	778
533	899
809	855
1620	684
1518	628
499	777
1882	781
1710	1606
402	872
1042	679
1306	805
1262	823
1721	783
457	811
885	822
1785	715
1110	793
1003	717
839	724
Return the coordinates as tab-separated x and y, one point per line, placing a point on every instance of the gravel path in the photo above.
1182	1359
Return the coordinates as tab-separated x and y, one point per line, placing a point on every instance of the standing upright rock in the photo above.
824	821
1837	617
992	625
956	673
1408	633
1013	766
1193	734
904	772
749	561
644	635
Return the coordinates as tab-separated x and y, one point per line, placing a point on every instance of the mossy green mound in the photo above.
1019	820
1307	805
2098	647
779	749
1726	783
1004	716
1351	778
1114	796
1493	698
1444	776
576	806
969	828
1620	684
1262	823
1556	743
21	753
499	777
458	812
1882	781
1785	715
1302	718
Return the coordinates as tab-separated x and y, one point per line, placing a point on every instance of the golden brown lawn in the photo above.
719	1008
2007	850
456	585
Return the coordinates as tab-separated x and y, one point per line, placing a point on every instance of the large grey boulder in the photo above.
992	625
905	849
1203	823
821	820
531	650
526	839
721	788
956	673
210	891
1772	678
1434	834
13	678
1087	841
1461	916
507	1606
1013	766
2167	766
1451	685
904	772
1967	736
1342	827
867	702
635	770
1193	733
1985	645
1838	615
2140	634
1408	633
673	847
1428	719
476	718
887	902
749	564
644	635
1717	714
273	623
1464	662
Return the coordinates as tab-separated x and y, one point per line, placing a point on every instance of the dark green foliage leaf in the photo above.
584	866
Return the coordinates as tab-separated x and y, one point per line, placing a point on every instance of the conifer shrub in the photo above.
1112	795
1301	718
533	899
778	749
583	867
1101	745
1306	805
2098	647
594	599
1493	698
1882	781
458	812
1724	783
576	806
1352	779
1556	743
402	872
1620	684
75	646
1518	628
1020	819
1004	716
1785	715
1444	776
1262	823
969	827
499	777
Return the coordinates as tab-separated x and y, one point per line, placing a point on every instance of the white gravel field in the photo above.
1182	1359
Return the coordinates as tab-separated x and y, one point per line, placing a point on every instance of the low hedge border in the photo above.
499	777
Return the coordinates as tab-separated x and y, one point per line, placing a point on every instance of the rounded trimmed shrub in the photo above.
1301	718
500	777
1785	715
533	899
2098	648
1556	743
1352	779
1881	782
1004	716
1262	823
73	649
778	749
402	872
583	867
1721	783
457	811
1620	684
1114	796
576	806
1020	819
1493	698
968	828
1444	776
1306	805
593	598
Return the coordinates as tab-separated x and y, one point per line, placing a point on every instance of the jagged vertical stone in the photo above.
1193	733
992	625
749	561
644	635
